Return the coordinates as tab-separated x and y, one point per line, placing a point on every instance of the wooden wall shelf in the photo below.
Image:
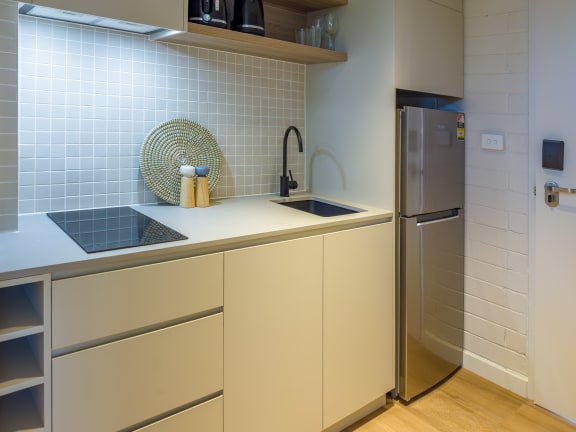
242	43
282	18
309	5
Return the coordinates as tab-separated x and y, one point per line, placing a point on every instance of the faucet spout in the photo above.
288	183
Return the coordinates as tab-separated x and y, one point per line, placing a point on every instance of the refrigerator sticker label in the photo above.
460	131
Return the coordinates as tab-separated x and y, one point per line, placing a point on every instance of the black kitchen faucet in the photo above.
288	183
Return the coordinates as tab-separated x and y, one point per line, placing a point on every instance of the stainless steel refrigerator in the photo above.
430	247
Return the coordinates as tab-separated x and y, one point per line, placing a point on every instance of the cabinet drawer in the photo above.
92	308
206	417
114	386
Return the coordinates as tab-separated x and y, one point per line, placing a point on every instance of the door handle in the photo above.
552	193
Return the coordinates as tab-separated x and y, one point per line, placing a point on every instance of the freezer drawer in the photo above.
431	293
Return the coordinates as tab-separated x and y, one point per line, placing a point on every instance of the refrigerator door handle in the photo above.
429	219
435	221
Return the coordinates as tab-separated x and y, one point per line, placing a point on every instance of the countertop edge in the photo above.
146	256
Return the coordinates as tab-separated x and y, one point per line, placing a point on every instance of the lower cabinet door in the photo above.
273	337
206	417
359	338
114	386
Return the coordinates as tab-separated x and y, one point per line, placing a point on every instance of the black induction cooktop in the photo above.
104	229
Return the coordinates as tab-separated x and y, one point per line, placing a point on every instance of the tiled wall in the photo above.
8	116
89	97
497	281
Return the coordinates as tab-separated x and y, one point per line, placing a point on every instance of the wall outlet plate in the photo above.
492	141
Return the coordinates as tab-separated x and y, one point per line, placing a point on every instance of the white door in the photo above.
553	115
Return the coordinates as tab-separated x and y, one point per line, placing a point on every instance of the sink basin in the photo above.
319	207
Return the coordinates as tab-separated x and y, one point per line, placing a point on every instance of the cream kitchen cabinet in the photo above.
273	337
25	354
206	417
167	14
358	321
429	46
309	331
91	309
140	345
117	385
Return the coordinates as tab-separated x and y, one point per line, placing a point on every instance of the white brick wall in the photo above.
496	98
8	115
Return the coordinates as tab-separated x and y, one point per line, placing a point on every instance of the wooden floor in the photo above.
464	403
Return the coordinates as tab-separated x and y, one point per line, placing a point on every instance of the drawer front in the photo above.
117	385
206	417
88	309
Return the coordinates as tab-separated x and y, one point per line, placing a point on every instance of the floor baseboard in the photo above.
506	378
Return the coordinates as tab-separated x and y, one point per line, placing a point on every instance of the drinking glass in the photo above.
300	35
331	26
313	36
318	26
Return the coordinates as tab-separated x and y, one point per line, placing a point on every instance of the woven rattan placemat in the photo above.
172	144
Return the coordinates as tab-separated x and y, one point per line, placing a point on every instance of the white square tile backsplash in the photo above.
8	116
89	97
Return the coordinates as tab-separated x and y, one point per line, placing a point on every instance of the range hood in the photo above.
81	18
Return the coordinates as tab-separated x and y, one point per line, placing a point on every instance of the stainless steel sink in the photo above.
319	207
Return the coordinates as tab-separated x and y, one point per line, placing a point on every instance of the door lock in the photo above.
552	193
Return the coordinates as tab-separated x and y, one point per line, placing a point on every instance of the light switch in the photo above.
493	141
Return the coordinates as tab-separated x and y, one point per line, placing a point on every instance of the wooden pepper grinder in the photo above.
187	195
202	193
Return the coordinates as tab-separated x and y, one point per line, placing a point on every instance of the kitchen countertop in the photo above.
40	246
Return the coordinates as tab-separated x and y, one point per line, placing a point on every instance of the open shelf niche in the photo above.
25	372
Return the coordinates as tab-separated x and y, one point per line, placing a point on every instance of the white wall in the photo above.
350	117
8	115
497	192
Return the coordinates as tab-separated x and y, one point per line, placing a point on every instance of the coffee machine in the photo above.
208	12
248	17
